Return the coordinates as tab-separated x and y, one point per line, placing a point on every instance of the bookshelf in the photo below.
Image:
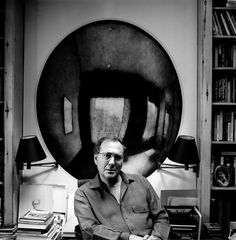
223	114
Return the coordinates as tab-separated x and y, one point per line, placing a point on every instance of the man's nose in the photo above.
111	160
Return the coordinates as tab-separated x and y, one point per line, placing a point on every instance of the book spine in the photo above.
218	23
231	24
234	170
216	55
233	86
225	26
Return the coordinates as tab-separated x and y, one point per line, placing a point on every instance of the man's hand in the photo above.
135	237
151	237
146	237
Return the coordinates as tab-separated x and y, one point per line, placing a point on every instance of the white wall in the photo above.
172	22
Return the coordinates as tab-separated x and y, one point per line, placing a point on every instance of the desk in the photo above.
185	222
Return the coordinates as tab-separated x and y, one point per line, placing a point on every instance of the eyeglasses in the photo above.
108	155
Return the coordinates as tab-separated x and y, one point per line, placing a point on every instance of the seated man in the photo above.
115	205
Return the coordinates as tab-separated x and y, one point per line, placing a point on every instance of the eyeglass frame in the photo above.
114	155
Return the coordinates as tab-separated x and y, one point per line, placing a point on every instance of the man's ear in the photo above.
95	158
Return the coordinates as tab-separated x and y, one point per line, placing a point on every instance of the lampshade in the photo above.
184	151
29	150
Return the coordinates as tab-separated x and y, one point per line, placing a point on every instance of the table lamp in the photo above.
30	150
184	151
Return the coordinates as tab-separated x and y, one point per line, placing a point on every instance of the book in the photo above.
230	22
218	23
53	233
37	232
36	215
224	25
36	225
8	231
215	27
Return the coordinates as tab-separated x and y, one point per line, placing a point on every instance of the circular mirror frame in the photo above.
108	59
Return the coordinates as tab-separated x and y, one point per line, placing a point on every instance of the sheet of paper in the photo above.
42	197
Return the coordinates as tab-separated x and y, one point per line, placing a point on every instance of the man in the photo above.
115	205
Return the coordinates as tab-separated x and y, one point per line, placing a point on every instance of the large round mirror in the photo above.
109	78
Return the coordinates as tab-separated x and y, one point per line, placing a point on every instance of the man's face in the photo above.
109	160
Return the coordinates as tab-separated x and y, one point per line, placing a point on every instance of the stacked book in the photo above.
8	232
213	231
37	224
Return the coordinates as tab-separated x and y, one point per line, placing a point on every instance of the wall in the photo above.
172	23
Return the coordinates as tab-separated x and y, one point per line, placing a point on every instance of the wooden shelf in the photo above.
223	188
224	37
224	104
224	8
224	69
223	142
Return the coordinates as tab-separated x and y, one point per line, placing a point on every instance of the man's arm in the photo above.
161	227
89	225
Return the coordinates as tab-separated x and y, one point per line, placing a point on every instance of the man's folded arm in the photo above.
90	227
161	227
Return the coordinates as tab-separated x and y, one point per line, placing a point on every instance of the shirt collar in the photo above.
97	183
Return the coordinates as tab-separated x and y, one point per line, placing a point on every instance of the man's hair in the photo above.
98	144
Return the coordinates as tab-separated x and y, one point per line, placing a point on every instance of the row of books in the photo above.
224	23
223	211
224	54
224	125
37	224
224	89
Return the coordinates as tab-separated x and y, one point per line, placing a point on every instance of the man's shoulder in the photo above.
83	190
86	185
136	177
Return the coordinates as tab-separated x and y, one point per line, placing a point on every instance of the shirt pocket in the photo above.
140	209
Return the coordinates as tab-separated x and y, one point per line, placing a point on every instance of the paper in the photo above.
42	197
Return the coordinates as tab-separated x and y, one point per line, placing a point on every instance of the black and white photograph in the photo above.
118	119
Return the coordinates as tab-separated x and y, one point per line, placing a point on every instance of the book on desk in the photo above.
36	224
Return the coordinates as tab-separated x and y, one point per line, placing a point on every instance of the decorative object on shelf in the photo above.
222	176
29	151
224	172
232	230
184	151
